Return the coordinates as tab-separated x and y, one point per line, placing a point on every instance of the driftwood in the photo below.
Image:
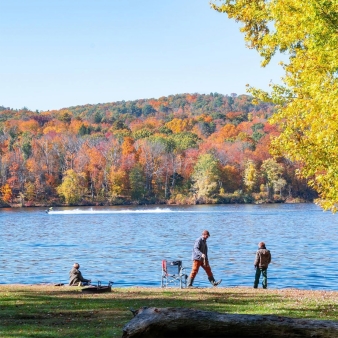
182	322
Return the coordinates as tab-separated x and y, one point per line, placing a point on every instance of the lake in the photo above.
127	244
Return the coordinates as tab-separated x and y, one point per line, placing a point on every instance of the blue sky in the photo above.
61	53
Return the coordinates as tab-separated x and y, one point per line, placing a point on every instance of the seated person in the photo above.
76	278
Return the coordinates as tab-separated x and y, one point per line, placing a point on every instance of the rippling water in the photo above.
126	244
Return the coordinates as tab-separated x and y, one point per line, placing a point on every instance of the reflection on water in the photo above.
127	244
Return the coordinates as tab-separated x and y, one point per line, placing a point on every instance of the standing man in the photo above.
262	261
200	258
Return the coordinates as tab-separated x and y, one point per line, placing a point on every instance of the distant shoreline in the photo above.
96	204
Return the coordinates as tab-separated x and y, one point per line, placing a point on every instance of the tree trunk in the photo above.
182	322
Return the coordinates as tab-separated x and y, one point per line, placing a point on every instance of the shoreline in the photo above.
94	204
158	288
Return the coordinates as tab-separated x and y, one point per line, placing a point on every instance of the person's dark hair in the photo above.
206	232
261	245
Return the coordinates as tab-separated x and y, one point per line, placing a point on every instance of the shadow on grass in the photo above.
65	312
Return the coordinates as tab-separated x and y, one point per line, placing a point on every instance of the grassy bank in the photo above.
50	311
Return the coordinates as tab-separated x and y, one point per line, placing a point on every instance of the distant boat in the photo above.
49	209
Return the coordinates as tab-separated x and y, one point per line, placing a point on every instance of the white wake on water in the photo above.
124	211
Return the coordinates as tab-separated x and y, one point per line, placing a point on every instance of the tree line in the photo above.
182	149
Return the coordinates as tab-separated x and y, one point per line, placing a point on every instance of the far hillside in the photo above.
184	148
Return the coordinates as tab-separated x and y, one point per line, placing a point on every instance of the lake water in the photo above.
127	244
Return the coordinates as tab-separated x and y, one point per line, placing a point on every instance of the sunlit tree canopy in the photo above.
306	31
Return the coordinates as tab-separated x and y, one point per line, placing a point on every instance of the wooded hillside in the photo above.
185	149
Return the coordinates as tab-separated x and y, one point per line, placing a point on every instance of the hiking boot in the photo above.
213	282
190	281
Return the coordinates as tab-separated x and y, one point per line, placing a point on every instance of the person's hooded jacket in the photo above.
263	258
75	277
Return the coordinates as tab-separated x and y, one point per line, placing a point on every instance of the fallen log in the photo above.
183	322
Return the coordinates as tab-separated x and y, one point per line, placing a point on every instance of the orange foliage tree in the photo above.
6	193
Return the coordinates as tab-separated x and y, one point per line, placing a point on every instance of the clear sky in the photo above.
61	53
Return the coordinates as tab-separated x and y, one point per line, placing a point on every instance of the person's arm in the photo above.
81	278
256	263
197	252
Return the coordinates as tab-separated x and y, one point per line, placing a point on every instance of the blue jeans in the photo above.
264	272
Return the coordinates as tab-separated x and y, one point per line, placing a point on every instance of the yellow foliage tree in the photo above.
179	125
117	180
55	126
250	175
30	191
306	31
72	187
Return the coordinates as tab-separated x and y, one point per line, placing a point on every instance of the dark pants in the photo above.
264	272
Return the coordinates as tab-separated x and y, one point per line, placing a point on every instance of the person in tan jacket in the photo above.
76	278
262	261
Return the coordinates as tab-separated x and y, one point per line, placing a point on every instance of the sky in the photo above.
61	53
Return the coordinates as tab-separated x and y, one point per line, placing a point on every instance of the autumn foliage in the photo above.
187	148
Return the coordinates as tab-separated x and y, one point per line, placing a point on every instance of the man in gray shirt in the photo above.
200	258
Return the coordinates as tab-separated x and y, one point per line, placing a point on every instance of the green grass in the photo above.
50	311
